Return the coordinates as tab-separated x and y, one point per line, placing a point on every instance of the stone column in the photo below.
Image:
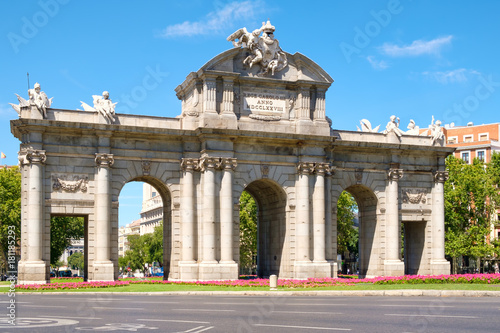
36	159
226	210
209	236
439	265
319	227
303	238
32	268
393	264
188	165
228	97
103	267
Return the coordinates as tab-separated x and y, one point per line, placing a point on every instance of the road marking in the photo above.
206	310
413	305
46	306
177	321
199	329
91	318
307	312
306	327
318	304
422	315
230	303
115	308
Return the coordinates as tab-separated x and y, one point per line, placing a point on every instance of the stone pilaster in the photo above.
103	266
319	112
227	110
439	265
209	95
304	103
393	266
34	269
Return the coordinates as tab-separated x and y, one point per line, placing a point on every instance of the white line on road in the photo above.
318	304
45	306
231	303
115	308
199	329
307	327
207	310
422	315
413	305
91	318
308	312
177	321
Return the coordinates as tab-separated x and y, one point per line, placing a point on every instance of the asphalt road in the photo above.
142	313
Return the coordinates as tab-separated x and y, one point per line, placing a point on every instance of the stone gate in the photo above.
253	118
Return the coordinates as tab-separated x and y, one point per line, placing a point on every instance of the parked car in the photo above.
66	273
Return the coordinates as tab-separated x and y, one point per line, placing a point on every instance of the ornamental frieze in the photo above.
414	196
70	183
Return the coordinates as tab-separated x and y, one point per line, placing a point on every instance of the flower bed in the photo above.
283	283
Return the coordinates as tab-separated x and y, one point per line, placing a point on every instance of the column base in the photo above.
188	271
394	268
103	271
333	268
309	269
33	272
440	267
218	271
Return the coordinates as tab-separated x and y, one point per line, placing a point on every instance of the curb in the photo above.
400	293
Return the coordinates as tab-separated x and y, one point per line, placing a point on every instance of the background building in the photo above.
152	209
473	141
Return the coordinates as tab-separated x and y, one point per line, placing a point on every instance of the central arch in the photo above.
271	225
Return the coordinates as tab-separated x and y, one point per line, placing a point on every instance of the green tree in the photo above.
347	233
138	256
470	196
62	230
76	261
248	233
10	210
156	245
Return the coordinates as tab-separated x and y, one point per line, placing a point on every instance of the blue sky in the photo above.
414	59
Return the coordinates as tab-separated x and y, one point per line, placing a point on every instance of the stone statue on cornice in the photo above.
265	50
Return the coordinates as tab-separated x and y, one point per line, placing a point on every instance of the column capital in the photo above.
395	174
441	176
208	162
190	164
323	168
36	156
104	160
306	168
229	163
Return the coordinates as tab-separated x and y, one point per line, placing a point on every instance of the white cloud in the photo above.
378	65
453	76
214	22
418	47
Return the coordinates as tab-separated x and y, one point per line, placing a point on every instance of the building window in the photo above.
153	194
465	155
481	155
483	136
468	138
452	140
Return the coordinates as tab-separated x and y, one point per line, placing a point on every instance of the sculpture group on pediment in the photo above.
264	50
102	105
435	130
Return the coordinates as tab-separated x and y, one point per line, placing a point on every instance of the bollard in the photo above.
273	282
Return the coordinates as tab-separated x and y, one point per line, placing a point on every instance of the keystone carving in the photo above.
146	167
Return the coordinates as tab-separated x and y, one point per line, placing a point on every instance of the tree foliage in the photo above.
144	250
62	230
347	234
470	196
248	232
76	261
10	208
